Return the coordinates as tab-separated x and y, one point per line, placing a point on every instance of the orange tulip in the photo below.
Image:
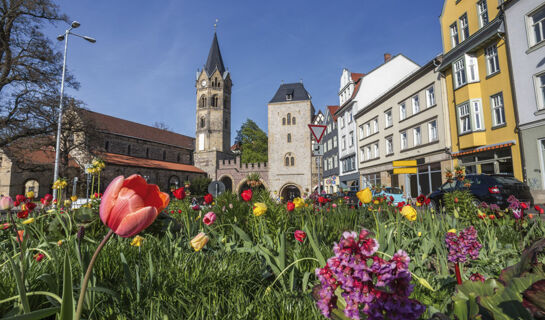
131	205
20	235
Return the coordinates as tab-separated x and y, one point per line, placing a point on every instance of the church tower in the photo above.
213	122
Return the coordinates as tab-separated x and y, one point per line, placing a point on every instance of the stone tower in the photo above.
213	121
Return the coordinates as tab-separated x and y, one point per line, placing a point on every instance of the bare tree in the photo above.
161	125
30	70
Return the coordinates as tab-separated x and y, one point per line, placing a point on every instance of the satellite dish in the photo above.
216	188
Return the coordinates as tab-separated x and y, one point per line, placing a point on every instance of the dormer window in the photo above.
289	96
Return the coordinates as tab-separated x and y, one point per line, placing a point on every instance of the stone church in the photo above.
289	172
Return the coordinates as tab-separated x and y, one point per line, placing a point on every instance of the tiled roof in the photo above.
356	76
296	90
332	110
127	128
41	156
147	163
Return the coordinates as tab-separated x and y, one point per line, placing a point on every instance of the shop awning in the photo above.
484	148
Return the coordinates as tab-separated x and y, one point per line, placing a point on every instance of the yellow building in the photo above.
480	103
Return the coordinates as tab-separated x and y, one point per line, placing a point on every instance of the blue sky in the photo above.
143	66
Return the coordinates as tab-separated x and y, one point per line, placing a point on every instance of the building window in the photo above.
417	136
540	88
289	119
335	161
164	155
459	73
361	131
464	27
283	121
292	160
351	138
362	154
470	117
293	120
432	131
368	153
536	23
430	97
389	146
342	122
202	102
498	111
178	158
416	104
388	118
482	10
289	96
329	144
402	111
334	141
289	137
203	122
215	101
454	35
473	69
343	142
289	160
403	136
465	118
367	129
492	61
376	153
375	125
147	152
129	150
349	117
107	145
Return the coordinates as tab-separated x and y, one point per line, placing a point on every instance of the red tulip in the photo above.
179	210
456	200
300	235
246	195
6	226
131	205
538	209
30	206
523	205
290	206
209	218
179	193
208	198
20	198
39	256
322	200
23	214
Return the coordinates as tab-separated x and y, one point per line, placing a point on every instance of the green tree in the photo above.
253	142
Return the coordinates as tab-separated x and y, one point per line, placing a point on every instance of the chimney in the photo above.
387	57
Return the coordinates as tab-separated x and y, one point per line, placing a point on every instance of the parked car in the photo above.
349	197
486	188
394	192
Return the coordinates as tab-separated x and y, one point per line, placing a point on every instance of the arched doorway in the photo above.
244	185
290	192
228	182
173	182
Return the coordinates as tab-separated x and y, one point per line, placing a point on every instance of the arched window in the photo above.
107	145
292	159
214	101
289	119
32	185
283	121
287	162
203	122
293	120
289	137
202	103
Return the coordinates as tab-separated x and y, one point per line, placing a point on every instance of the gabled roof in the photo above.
332	110
124	160
131	129
296	90
356	76
214	60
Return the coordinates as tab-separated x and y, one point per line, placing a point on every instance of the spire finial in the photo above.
216	25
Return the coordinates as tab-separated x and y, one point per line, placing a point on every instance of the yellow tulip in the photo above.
365	195
199	241
29	221
409	213
74	198
59	243
298	202
259	209
30	194
419	233
376	202
67	203
452	231
137	241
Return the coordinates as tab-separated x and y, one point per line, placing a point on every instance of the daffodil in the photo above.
137	241
259	209
365	195
452	231
419	233
298	202
29	221
74	198
409	213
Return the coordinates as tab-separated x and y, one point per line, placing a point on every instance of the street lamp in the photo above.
64	37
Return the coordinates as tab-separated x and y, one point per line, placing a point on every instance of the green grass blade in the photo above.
20	286
67	306
35	315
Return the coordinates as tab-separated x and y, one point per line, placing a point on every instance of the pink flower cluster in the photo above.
370	285
462	245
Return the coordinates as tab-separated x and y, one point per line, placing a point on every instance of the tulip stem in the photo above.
88	274
458	273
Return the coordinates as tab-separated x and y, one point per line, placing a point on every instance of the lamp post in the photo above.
64	37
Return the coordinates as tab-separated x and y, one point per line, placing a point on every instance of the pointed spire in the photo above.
214	58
